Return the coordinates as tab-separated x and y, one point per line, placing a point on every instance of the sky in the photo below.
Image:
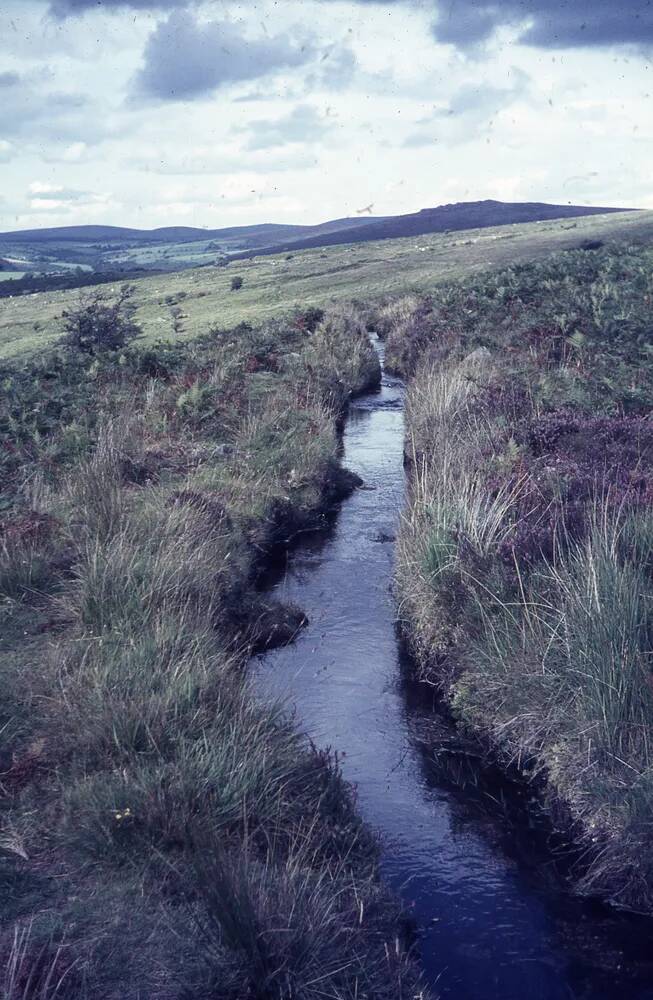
151	113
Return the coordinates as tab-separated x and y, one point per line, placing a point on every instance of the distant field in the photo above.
277	284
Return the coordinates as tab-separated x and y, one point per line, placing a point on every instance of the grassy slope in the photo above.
526	554
274	285
129	544
162	834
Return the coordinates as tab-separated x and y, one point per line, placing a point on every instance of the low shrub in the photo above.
100	324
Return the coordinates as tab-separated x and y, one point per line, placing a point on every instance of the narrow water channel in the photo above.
494	918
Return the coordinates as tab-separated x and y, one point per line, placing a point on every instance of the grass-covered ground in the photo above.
162	833
525	571
182	306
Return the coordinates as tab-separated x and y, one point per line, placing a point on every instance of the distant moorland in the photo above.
190	302
63	252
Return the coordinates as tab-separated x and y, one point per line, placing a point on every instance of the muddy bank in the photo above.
255	620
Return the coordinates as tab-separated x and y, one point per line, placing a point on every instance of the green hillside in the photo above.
275	285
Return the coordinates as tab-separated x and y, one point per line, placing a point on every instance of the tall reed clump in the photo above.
341	349
165	834
525	562
390	317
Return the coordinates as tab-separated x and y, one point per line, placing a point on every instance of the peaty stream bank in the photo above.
494	916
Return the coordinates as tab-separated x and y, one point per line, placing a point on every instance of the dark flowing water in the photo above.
494	918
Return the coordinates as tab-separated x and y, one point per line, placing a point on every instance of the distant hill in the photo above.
272	238
66	256
263	233
75	233
459	216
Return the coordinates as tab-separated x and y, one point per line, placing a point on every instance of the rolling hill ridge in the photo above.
68	256
458	216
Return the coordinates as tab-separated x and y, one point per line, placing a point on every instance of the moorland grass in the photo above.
524	572
164	834
180	307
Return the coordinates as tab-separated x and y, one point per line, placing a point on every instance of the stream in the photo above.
483	880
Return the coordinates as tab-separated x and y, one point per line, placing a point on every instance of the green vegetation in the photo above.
96	324
162	833
278	285
526	555
51	254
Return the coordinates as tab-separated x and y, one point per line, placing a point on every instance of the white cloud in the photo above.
186	57
75	152
315	109
48	197
40	187
303	125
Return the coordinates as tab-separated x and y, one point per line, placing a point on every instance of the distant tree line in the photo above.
77	279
